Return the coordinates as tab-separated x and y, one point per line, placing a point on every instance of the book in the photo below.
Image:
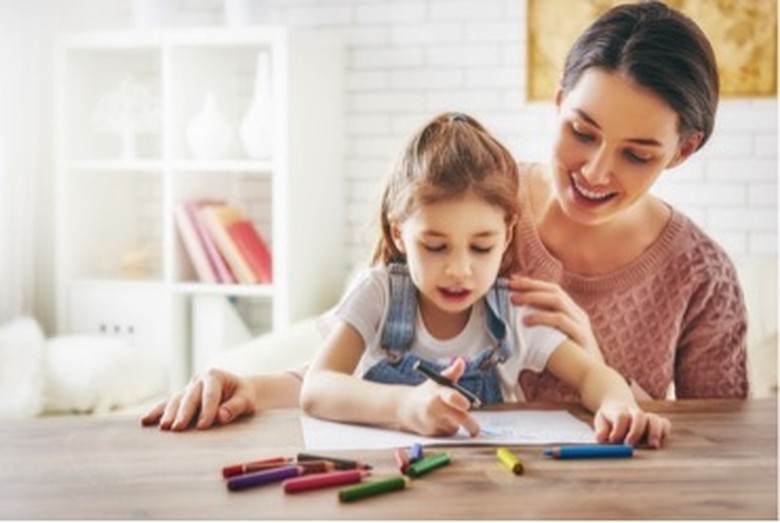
223	274
253	248
217	218
193	245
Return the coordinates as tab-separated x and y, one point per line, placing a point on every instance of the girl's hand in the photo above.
215	396
556	309
620	423
434	410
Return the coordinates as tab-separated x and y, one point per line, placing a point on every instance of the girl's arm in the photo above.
331	391
605	392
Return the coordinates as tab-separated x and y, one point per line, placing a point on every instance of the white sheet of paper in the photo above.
528	427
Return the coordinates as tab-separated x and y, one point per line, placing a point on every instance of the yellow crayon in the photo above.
509	460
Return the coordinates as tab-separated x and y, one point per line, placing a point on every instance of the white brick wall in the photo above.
408	59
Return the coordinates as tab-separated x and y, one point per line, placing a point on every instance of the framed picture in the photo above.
743	34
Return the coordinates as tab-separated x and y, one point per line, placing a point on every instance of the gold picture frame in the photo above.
743	34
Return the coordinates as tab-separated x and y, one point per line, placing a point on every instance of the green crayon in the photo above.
426	465
372	488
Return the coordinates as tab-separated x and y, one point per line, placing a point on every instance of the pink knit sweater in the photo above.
674	315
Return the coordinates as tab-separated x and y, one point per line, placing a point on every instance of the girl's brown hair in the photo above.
450	156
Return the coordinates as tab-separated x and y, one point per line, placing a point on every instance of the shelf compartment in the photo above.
112	226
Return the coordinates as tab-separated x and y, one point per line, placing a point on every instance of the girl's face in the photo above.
453	251
614	140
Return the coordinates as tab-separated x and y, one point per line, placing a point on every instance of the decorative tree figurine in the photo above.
127	109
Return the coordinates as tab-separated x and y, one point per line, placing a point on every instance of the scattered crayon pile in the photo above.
310	472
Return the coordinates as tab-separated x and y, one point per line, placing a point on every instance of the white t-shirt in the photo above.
365	306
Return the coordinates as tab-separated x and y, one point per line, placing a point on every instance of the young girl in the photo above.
447	214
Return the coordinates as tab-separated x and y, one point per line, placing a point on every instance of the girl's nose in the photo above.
459	266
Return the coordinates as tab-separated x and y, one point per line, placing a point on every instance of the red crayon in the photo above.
254	466
316	467
330	479
401	459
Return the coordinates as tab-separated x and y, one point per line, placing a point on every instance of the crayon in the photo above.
253	466
402	460
316	466
372	488
591	451
417	453
340	463
446	382
426	465
255	479
317	481
509	460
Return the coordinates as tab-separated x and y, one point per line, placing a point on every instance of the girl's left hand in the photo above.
555	309
620	423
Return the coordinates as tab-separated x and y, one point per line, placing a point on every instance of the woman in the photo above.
619	271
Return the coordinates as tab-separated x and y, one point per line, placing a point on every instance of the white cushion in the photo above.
21	369
758	277
98	373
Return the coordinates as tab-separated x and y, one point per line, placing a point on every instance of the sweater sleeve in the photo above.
712	351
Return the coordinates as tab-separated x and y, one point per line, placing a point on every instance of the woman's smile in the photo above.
583	195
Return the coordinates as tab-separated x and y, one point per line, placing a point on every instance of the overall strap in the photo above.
497	314
398	332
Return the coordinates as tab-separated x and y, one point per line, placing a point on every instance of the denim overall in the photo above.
480	377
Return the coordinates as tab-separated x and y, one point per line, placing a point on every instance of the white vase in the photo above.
209	135
257	124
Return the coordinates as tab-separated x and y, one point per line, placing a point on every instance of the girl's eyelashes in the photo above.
436	248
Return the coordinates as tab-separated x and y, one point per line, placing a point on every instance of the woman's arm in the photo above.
606	393
331	391
712	351
220	397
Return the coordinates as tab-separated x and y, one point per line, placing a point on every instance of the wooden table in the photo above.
720	463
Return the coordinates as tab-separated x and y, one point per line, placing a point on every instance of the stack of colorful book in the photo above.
223	245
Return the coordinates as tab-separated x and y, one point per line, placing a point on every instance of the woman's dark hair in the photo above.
661	50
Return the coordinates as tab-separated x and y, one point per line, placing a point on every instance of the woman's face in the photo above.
614	139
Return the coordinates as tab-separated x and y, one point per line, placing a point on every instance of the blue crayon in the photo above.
417	453
591	451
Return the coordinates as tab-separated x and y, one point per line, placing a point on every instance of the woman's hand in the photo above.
214	396
620	423
555	309
434	410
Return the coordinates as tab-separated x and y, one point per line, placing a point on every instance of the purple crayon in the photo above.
256	479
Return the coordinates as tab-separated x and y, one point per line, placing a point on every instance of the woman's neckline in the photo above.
550	266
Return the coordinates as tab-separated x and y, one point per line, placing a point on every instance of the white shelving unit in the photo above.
112	206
